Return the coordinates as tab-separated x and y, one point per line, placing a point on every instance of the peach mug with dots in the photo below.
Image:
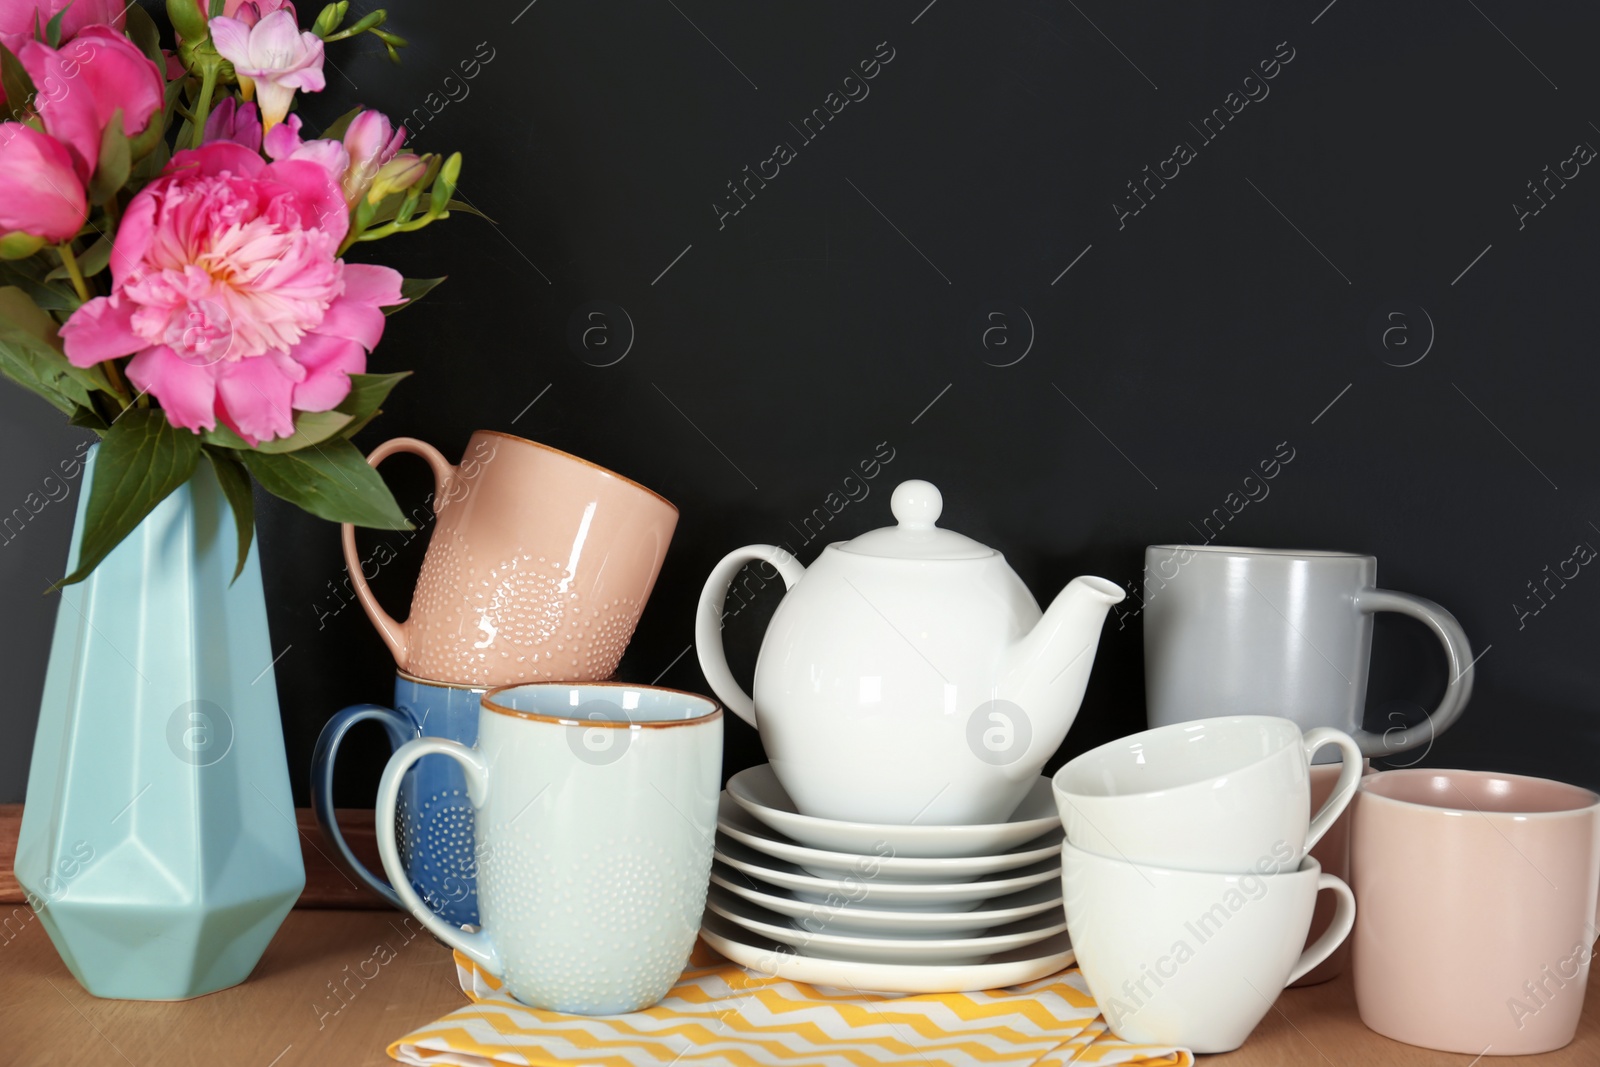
538	568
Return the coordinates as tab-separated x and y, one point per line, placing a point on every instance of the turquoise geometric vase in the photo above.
158	843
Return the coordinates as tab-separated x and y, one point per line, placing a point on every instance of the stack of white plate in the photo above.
912	909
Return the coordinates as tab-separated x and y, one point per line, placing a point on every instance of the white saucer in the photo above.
881	863
758	791
773	958
885	922
939	951
860	890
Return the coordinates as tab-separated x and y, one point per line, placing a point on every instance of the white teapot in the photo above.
908	676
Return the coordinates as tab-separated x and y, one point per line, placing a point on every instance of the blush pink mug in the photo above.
1475	908
538	568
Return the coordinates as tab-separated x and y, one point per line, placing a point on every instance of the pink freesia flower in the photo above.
228	290
40	194
274	56
248	12
232	121
17	17
283	142
82	83
371	140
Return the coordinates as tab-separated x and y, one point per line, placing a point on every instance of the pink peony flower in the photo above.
227	288
40	193
371	140
17	18
274	56
232	121
83	82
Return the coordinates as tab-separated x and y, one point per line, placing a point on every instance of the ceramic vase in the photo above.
158	844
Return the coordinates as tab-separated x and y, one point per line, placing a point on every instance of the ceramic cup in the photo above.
1262	631
436	840
595	812
1193	958
538	567
1214	795
1478	895
1332	854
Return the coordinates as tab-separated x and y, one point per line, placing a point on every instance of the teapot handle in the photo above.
708	620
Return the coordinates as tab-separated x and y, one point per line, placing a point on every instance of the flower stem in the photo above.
117	383
70	261
202	104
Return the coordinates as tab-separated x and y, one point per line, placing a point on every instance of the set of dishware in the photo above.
1189	887
567	833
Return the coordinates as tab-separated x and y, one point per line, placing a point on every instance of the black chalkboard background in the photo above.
953	271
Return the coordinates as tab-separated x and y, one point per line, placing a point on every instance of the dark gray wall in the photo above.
1182	346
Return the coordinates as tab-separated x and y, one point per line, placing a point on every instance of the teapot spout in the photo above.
1046	671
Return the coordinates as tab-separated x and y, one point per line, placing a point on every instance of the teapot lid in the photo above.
916	506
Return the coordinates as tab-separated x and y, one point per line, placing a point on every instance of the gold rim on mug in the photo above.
586	463
489	704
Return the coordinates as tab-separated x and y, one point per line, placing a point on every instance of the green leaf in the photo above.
235	481
310	427
222	437
91	261
52	29
142	459
29	276
413	289
367	394
462	205
142	29
150	167
30	357
216	8
89	419
15	83
332	481
335	129
116	159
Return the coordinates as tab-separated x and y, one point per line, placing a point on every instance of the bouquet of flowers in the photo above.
172	271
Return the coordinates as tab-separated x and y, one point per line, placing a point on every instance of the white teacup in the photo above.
1209	795
1194	958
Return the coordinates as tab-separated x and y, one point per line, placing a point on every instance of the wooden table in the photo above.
287	1015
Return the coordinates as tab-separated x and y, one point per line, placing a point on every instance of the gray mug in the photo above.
1263	631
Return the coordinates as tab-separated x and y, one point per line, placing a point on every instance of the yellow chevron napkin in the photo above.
720	1015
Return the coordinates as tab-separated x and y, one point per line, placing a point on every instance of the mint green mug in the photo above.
595	809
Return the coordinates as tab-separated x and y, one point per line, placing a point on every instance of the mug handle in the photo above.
708	621
1344	917
401	728
1344	790
395	634
1457	650
473	944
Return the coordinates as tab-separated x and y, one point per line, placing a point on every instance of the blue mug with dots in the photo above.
596	809
433	815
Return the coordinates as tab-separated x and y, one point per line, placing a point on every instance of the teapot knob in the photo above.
916	504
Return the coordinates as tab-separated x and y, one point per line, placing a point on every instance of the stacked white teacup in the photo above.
1188	886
